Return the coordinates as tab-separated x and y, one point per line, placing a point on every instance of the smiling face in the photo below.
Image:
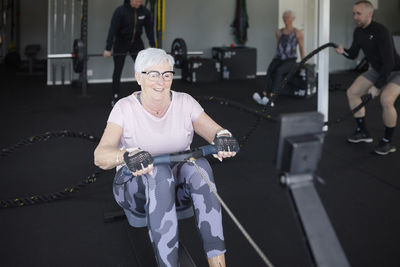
362	15
159	89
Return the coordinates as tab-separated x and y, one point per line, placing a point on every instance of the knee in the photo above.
194	177
387	101
350	93
204	164
205	167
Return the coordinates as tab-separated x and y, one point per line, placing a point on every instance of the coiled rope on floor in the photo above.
62	194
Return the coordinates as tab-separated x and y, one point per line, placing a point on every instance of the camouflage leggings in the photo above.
159	196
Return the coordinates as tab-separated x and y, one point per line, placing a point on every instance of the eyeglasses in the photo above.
154	75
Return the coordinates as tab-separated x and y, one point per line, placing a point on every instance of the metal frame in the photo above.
298	152
323	58
323	243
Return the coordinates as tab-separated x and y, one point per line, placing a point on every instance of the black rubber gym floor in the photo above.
361	193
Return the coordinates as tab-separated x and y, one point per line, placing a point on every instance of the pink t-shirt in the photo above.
171	133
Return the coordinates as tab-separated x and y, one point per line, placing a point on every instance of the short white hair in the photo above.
289	11
150	57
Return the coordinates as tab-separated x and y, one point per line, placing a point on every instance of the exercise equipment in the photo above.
189	156
299	66
364	101
79	54
298	152
160	23
179	52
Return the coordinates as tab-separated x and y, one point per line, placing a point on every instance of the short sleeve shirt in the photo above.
171	133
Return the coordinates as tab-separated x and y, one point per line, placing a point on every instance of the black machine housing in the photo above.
196	69
300	142
303	83
237	63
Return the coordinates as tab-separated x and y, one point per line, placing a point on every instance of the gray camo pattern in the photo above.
158	198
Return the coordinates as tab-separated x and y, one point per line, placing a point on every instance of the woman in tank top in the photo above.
285	58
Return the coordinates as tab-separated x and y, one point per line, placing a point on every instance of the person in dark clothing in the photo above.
287	38
383	78
125	34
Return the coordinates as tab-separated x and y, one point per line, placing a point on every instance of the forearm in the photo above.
206	127
353	51
302	53
210	133
114	25
108	157
110	38
150	34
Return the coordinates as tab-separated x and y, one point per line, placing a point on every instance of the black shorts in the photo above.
372	75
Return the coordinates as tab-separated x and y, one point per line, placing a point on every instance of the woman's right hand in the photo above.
139	162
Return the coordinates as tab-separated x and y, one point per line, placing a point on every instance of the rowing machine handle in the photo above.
185	155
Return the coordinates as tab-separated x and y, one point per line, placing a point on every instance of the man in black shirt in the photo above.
382	78
125	33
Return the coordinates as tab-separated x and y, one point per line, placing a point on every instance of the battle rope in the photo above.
233	217
364	100
36	199
301	64
260	116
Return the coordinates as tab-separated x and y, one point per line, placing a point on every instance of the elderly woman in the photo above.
154	121
284	60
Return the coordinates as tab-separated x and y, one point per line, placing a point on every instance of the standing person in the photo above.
285	58
125	34
383	78
154	121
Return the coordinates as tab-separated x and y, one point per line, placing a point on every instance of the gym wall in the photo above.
33	26
203	24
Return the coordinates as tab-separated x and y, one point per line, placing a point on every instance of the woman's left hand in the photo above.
139	162
227	146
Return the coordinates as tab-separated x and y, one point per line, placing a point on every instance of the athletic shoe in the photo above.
257	98
264	101
360	137
384	148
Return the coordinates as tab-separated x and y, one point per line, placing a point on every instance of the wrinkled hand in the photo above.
374	91
139	162
339	49
226	146
107	53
